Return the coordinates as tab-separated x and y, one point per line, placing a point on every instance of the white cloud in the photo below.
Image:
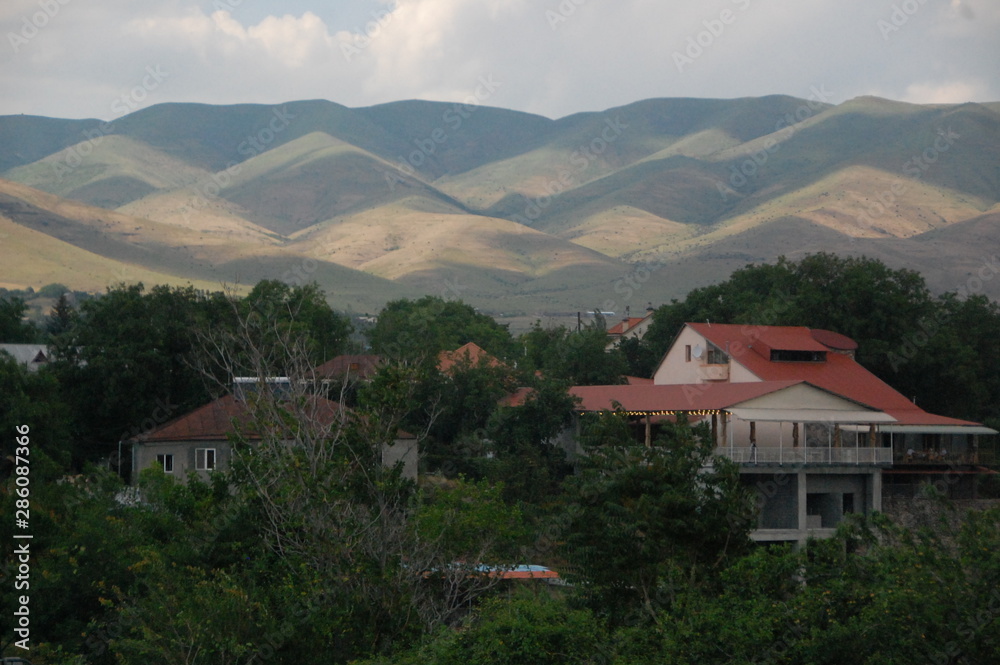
955	92
591	56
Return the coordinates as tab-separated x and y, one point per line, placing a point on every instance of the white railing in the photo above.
769	455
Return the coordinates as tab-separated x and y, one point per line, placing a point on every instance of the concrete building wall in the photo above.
403	451
145	455
805	502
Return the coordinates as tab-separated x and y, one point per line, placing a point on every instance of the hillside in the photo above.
510	211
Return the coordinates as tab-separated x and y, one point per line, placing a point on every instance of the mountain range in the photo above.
512	212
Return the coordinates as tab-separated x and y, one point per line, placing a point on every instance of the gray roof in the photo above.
31	355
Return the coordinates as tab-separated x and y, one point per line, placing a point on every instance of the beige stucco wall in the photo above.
675	369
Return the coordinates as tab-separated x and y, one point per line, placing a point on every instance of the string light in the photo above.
700	412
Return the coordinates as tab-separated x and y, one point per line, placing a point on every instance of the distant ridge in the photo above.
510	211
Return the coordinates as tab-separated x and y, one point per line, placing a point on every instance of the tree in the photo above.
526	628
523	443
350	535
646	522
578	357
303	308
126	366
61	318
13	327
418	330
937	350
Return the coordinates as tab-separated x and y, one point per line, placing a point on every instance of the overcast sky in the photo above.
101	58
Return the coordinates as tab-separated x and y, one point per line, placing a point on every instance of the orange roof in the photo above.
470	353
215	420
750	346
517	398
350	366
687	397
622	327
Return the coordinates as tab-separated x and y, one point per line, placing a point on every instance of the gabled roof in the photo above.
349	367
27	354
839	372
470	353
215	420
623	326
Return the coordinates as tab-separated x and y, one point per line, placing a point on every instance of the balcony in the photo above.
713	372
805	456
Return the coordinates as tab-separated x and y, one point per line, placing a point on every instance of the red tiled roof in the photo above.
517	398
839	373
637	381
215	420
470	353
623	327
688	397
350	366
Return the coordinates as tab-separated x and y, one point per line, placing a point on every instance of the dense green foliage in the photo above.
942	350
418	330
316	553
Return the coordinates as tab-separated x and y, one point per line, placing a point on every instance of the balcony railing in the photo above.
769	455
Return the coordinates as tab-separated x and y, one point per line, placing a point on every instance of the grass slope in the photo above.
109	172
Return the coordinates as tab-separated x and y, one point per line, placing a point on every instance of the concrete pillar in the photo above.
876	490
801	486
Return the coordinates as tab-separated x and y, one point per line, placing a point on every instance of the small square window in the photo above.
204	459
167	462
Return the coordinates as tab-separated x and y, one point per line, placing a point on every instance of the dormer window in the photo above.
780	355
716	356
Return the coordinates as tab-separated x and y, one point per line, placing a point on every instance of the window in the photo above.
204	459
167	462
716	356
778	355
687	353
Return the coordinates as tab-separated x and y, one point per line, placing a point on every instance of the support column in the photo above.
802	500
649	431
715	431
877	490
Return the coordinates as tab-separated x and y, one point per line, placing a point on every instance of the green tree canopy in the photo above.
421	329
13	328
646	522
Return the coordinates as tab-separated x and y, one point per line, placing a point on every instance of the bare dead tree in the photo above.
314	469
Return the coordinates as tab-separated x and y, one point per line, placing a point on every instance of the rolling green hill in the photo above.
507	210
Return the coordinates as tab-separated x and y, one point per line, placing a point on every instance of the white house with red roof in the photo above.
630	327
811	428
